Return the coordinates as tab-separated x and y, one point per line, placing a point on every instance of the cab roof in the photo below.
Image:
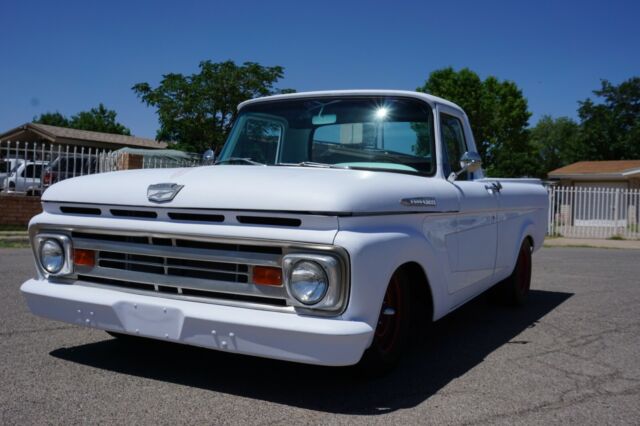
432	100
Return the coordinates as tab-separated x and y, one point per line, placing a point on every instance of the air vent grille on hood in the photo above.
183	216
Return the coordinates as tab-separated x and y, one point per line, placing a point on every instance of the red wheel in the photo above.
390	321
523	268
392	332
515	289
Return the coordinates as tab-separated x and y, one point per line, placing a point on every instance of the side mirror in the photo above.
469	162
209	156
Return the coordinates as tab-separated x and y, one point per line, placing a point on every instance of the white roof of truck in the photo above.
402	93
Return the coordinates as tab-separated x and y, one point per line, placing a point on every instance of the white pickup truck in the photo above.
330	223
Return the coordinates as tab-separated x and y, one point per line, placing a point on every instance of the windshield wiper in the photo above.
313	164
246	160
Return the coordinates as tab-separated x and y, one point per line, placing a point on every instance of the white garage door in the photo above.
604	206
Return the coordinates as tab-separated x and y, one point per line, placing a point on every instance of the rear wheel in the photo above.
515	289
393	329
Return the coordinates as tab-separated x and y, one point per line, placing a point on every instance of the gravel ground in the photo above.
572	355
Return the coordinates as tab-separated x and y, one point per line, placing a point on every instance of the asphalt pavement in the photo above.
571	356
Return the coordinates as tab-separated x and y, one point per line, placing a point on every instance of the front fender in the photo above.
376	252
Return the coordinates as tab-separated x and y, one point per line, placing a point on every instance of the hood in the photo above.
261	188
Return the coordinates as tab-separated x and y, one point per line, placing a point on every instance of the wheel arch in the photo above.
531	241
527	234
527	231
419	282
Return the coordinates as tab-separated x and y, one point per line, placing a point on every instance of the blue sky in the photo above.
68	56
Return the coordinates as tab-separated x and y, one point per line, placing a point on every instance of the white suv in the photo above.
26	178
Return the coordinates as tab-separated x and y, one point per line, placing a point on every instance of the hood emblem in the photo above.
419	202
163	192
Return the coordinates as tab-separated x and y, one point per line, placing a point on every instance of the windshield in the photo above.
380	133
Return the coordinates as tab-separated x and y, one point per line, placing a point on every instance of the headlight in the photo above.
316	282
54	253
52	256
308	282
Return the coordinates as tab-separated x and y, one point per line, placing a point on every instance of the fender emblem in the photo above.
419	202
163	192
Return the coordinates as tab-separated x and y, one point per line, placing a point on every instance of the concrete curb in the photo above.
15	238
590	242
8	239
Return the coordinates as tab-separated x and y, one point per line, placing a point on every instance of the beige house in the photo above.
54	135
623	174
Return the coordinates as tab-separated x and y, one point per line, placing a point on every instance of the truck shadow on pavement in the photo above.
452	347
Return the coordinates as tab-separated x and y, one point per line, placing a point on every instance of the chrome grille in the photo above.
231	272
181	266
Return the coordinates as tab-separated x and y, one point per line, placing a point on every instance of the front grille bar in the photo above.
173	292
258	259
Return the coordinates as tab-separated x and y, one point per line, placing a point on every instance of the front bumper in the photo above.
285	336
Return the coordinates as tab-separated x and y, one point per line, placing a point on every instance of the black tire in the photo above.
392	334
513	291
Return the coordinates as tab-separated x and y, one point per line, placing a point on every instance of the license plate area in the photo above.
150	320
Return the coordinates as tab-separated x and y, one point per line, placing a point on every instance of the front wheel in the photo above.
393	329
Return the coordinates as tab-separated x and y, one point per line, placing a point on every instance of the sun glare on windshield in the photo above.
381	113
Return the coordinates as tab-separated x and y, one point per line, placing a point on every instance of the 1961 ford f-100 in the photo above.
329	223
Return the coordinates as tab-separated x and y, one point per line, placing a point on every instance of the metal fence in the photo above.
31	167
578	212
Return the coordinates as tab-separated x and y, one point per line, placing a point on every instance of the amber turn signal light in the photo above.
266	275
83	257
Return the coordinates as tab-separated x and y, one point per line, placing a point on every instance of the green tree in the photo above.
556	141
198	110
98	119
499	117
52	119
611	130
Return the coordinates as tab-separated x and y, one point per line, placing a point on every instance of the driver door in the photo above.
476	228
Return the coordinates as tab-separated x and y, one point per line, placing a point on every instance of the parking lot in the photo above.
572	355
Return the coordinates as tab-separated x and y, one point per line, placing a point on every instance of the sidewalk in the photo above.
14	238
591	242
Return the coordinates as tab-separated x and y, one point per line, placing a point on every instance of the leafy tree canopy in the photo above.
52	119
498	114
98	119
198	110
610	130
557	142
